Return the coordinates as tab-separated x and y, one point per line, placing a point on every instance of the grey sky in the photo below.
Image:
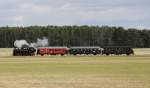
126	13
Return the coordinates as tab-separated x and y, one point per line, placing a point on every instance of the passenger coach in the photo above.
52	51
117	50
85	50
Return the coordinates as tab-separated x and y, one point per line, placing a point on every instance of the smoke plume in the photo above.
20	43
39	43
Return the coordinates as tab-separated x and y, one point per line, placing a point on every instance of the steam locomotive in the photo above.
24	51
96	50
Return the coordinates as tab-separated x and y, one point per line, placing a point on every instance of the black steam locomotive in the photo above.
24	51
108	50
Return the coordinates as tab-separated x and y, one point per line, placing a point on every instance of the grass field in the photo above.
75	72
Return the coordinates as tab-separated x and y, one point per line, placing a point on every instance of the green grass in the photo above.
75	72
71	72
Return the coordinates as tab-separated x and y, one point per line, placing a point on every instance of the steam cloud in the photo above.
39	43
20	43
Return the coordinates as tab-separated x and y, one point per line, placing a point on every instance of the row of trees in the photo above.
76	36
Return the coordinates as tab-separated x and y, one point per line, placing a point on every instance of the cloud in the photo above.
127	13
25	7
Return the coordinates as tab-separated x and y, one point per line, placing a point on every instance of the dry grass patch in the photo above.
75	71
70	81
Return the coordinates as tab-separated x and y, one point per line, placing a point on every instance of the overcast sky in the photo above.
126	13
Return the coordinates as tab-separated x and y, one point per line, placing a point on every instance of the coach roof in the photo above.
86	47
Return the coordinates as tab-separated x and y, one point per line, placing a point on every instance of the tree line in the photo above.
77	36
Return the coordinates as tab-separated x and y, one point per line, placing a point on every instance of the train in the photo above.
76	50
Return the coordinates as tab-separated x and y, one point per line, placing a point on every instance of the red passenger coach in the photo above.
52	51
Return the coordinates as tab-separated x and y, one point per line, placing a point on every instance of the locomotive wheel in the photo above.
87	54
42	54
107	54
74	54
94	54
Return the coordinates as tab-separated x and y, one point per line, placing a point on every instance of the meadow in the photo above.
75	71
